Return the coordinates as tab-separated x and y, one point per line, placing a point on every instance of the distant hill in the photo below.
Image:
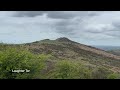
116	52
107	48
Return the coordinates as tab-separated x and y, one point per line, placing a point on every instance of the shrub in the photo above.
100	73
20	59
69	70
113	76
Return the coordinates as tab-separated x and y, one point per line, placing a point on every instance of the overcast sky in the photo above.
86	27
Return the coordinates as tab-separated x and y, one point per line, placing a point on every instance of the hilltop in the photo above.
65	43
64	48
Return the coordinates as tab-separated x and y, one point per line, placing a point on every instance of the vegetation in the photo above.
69	70
55	60
19	59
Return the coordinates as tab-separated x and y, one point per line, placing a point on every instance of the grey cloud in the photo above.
68	26
72	26
106	28
83	26
57	14
116	25
115	32
93	31
28	13
5	33
50	14
60	15
95	13
71	14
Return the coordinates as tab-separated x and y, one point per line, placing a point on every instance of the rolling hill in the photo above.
62	48
65	49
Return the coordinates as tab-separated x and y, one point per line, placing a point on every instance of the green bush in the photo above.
20	59
66	69
100	73
69	70
113	76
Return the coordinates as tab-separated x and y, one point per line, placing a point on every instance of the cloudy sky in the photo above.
86	27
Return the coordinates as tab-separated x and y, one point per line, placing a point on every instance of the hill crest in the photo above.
65	43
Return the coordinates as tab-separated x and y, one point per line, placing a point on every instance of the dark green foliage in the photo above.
113	76
100	73
69	70
19	59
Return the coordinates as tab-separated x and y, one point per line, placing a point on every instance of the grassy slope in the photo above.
62	51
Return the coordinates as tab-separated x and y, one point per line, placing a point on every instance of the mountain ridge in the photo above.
64	40
63	48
